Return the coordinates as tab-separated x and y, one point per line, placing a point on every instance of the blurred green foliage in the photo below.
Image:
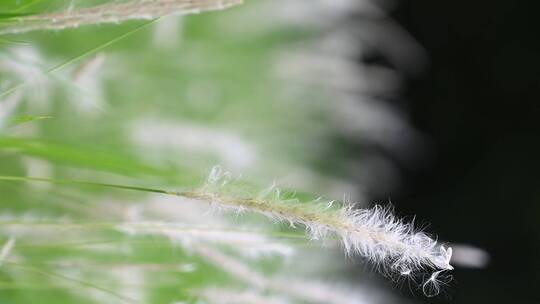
217	72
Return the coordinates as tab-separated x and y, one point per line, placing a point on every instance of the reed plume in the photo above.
376	234
113	13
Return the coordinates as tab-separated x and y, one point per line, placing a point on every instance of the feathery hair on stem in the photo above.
376	234
113	13
395	246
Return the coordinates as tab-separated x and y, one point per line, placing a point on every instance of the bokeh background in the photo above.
430	107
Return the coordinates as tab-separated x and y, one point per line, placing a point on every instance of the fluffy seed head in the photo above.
376	234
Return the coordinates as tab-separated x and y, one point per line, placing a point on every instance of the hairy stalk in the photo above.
373	233
376	234
114	13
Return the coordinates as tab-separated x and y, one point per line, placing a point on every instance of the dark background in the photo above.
477	104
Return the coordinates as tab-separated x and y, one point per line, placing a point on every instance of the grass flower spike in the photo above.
376	234
114	13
